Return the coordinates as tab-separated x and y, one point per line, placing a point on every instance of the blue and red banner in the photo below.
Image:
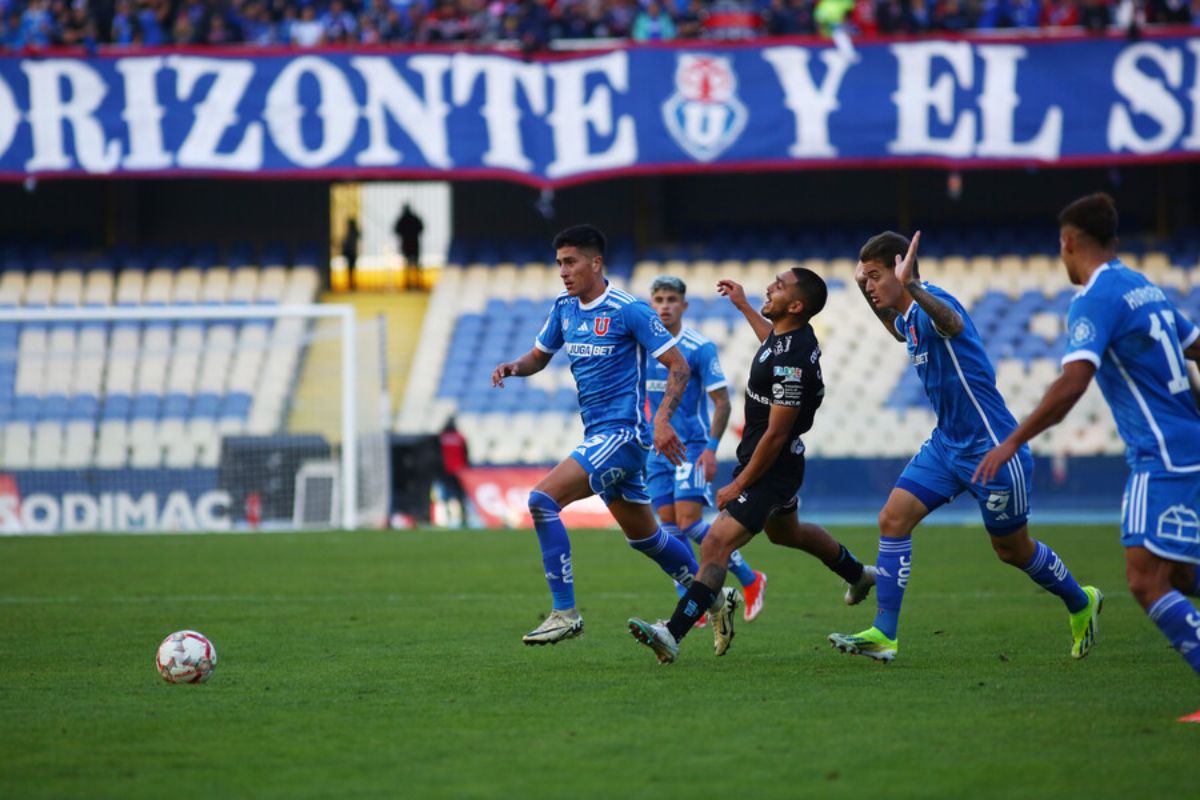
970	102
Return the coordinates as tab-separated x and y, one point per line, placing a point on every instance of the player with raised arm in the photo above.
680	493
1122	330
783	393
605	332
948	354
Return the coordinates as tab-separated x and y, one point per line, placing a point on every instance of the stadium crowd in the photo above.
532	24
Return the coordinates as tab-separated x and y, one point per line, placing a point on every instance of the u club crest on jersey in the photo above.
704	115
600	325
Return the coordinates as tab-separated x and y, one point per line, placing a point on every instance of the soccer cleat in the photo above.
656	637
870	643
857	592
1084	623
555	628
753	595
1193	717
722	619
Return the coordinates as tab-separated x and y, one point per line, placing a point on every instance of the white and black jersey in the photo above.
786	371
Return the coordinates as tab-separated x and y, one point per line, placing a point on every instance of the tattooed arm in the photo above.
665	439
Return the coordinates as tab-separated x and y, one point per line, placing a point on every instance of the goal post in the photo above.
190	417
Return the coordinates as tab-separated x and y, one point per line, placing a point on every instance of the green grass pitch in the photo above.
389	664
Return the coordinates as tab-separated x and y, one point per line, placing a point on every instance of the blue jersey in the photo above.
958	378
606	341
1129	330
691	418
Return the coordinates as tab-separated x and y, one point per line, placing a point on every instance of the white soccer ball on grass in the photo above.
186	657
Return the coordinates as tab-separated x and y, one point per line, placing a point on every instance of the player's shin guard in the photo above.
740	569
1180	623
698	599
846	566
1047	570
556	548
894	565
673	555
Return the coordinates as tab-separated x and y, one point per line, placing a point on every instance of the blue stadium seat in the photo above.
83	406
27	408
236	405
117	406
146	406
176	406
206	405
53	407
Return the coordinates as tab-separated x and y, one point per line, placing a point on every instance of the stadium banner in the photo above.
679	107
500	496
113	500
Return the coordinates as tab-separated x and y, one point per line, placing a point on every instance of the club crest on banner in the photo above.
704	115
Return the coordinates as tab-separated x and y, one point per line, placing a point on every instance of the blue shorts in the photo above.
669	484
1160	513
615	464
937	474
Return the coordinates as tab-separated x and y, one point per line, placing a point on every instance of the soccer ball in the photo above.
186	657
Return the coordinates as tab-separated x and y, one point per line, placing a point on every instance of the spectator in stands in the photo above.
789	18
1095	15
350	250
340	25
308	30
123	28
1169	12
735	19
409	228
455	461
1059	13
653	25
37	25
76	27
689	22
153	16
951	16
533	29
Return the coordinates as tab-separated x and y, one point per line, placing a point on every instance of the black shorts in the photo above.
772	495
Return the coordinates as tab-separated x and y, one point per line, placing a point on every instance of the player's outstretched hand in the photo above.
733	290
993	461
505	370
666	441
904	267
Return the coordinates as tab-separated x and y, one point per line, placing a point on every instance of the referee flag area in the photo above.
389	664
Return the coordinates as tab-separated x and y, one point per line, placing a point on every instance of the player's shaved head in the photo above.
1095	216
812	289
884	247
582	237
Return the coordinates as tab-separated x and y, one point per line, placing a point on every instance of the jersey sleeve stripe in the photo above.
538	344
1186	343
665	347
712	387
1082	355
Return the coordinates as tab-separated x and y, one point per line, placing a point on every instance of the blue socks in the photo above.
1180	623
894	565
556	548
672	555
1049	572
737	565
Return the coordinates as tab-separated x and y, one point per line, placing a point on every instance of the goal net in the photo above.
192	418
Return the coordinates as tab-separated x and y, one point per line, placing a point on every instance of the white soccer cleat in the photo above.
721	615
857	592
656	637
555	628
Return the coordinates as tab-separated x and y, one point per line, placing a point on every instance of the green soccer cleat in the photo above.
870	643
1084	623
